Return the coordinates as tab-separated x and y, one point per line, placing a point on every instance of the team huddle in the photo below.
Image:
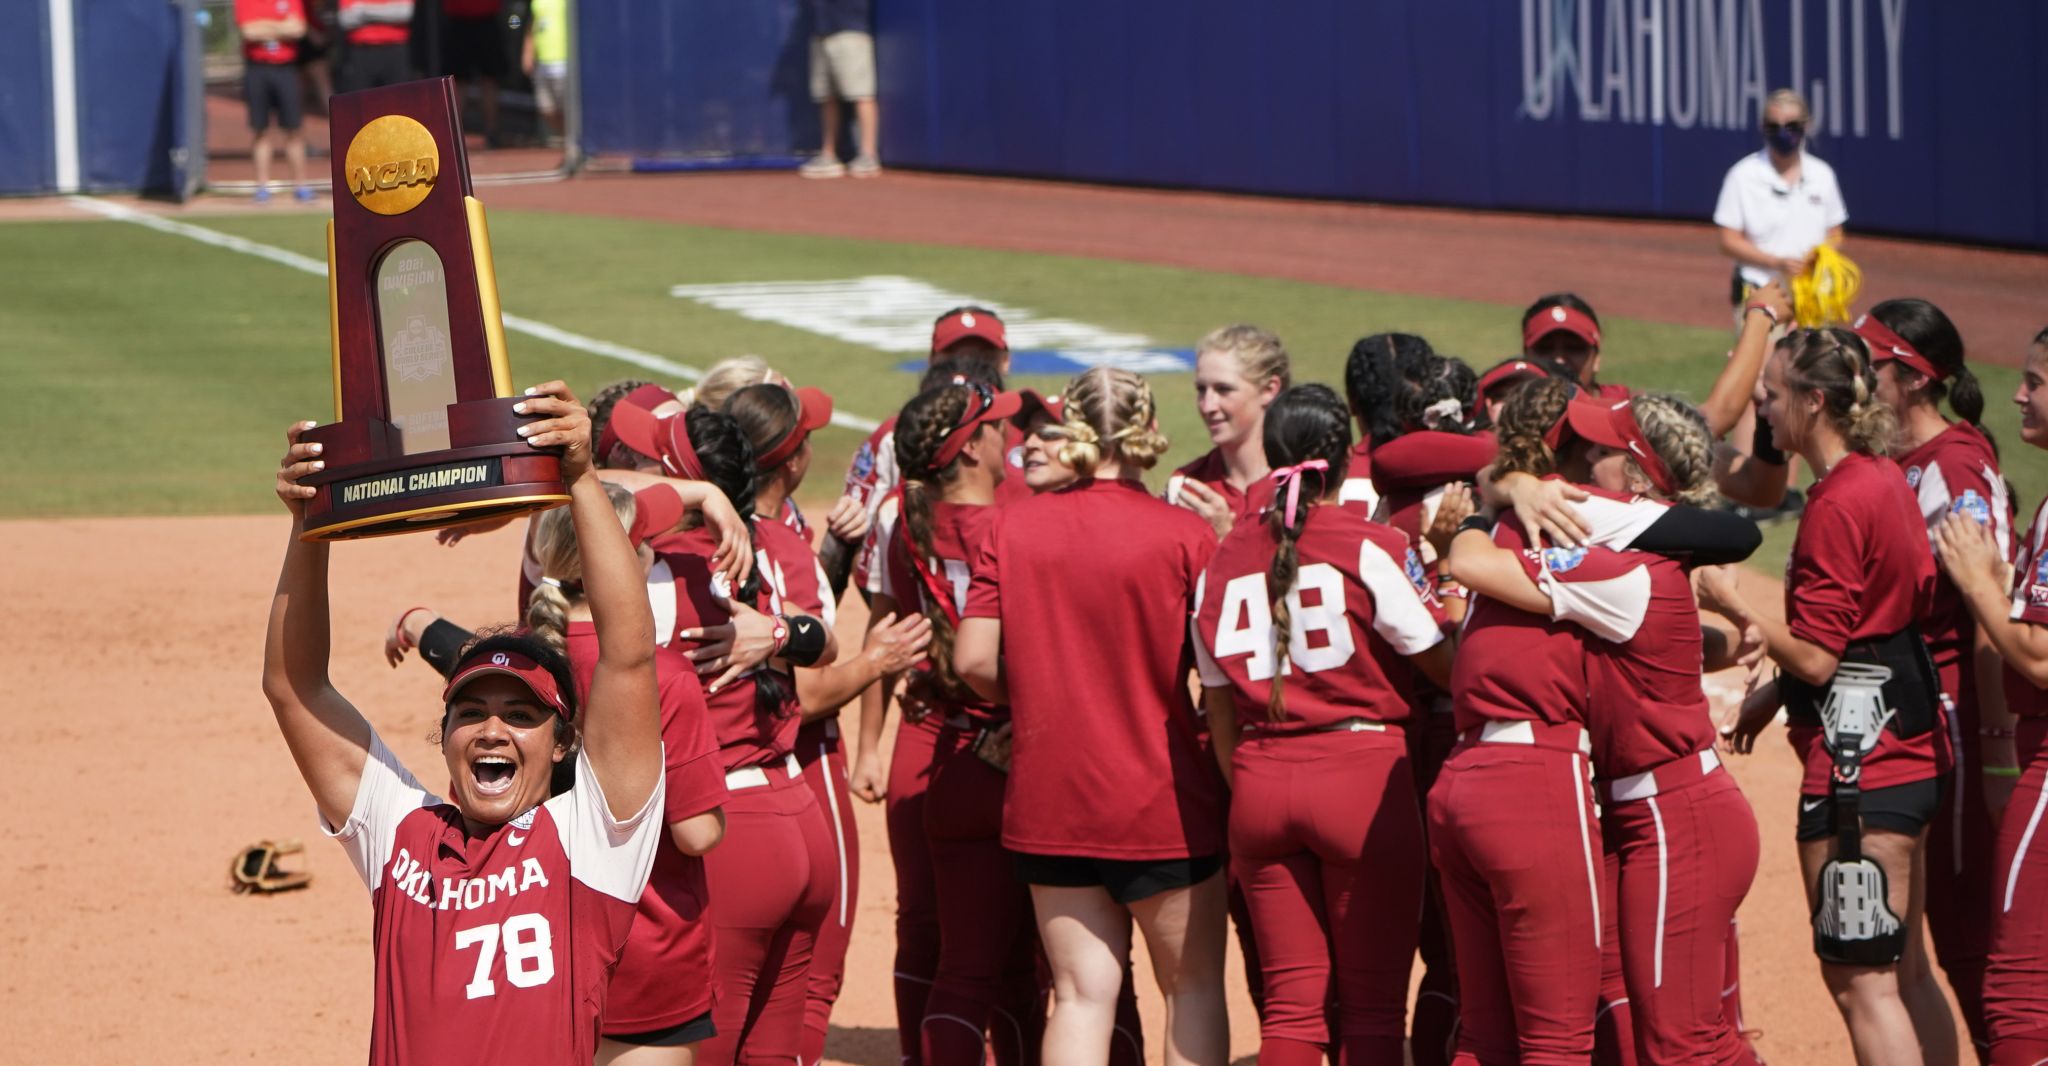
1410	667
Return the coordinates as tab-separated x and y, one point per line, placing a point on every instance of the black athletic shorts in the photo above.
1899	809
371	66
1128	881
474	48
272	87
686	1032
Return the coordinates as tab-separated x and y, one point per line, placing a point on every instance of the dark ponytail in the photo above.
1924	326
1440	383
920	429
728	461
1305	423
1374	380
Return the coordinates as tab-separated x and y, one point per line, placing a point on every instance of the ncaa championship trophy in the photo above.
424	434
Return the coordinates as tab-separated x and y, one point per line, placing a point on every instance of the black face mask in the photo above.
1784	140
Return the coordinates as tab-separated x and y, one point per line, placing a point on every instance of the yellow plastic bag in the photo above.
1823	295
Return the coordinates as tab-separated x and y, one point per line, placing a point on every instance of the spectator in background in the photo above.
545	58
843	68
377	51
473	49
1779	204
271	31
316	72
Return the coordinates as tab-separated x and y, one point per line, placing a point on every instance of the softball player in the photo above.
778	422
1381	370
1325	834
1563	327
1859	586
2016	979
1238	371
1110	806
1952	468
500	914
1681	841
985	996
776	869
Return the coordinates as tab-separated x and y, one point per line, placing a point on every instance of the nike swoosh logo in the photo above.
1815	805
514	839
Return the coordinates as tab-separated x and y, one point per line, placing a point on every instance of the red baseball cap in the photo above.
1560	320
960	325
1029	403
1513	369
661	437
656	510
984	407
511	664
814	412
1613	424
642	400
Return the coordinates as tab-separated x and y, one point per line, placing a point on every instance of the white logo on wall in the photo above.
1701	63
894	314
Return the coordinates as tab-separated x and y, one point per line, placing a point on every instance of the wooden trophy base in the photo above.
501	477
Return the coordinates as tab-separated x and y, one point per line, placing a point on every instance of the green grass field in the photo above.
160	371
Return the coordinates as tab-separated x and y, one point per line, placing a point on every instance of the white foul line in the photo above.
603	349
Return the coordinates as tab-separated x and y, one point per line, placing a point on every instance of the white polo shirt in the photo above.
1784	220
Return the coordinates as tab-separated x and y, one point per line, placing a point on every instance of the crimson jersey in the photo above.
664	976
1646	706
2029	605
1209	470
1360	605
1092	584
496	948
957	533
1957	472
1409	474
1861	569
876	479
692	596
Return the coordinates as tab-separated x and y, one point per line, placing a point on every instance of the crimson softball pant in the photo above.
1432	733
1962	845
771	882
1686	859
1326	838
2016	979
824	763
1512	832
987	997
917	904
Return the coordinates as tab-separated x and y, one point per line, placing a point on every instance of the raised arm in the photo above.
621	718
327	736
1736	385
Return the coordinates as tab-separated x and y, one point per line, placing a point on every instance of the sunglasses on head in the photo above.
1796	127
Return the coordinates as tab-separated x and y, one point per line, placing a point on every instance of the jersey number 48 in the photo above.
1245	599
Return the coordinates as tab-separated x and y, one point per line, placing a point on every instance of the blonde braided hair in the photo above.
1110	408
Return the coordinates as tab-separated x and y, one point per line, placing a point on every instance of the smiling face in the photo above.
1043	471
499	741
2032	397
1232	407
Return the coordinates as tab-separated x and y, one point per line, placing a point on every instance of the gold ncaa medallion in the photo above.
391	164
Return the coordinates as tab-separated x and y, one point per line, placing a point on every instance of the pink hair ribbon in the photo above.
1290	476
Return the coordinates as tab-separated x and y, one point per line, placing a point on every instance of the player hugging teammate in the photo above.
1448	631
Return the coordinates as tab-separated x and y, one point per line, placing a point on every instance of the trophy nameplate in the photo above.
424	434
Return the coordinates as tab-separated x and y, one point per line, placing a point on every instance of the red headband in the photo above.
1886	345
1615	426
646	398
512	664
814	410
983	407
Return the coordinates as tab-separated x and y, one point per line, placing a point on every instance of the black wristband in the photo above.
1760	446
806	640
1476	522
441	642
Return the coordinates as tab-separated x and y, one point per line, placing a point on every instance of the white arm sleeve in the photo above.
1205	663
610	855
1399	615
884	533
661	597
1612	609
1617	523
386	794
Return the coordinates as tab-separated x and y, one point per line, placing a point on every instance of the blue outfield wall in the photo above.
28	151
128	93
1935	115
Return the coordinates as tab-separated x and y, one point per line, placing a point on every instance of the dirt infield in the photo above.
149	756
